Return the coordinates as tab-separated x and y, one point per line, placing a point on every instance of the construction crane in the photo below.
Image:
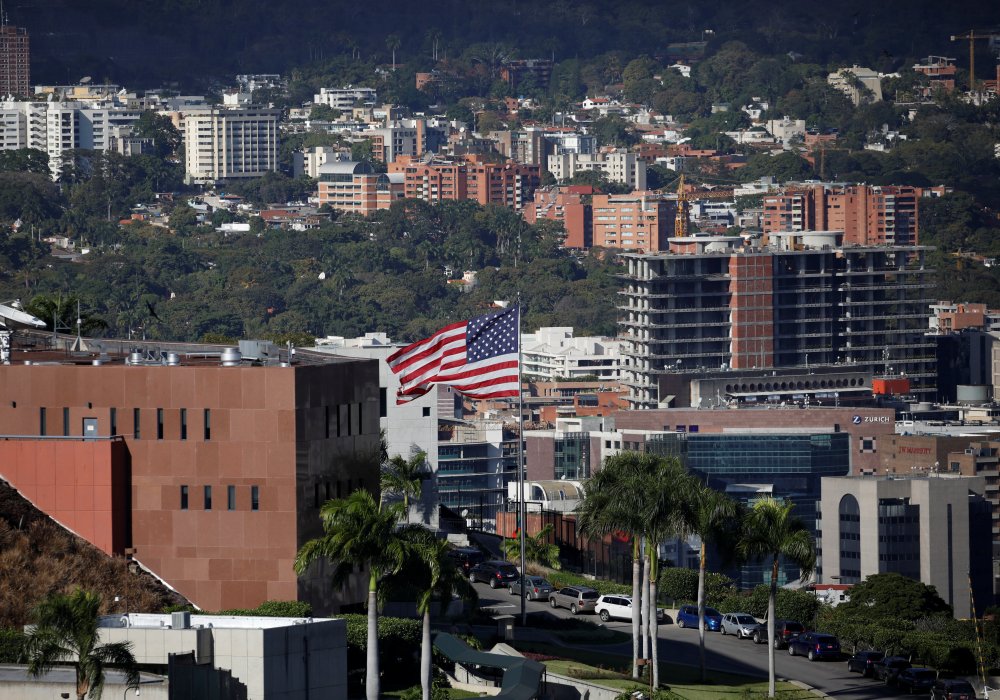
972	35
684	198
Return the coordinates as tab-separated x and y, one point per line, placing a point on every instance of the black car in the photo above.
814	645
496	573
784	632
863	661
465	558
952	689
888	668
916	680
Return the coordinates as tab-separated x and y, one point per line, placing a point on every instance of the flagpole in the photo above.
522	512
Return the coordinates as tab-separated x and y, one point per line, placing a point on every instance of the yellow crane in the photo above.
681	221
972	35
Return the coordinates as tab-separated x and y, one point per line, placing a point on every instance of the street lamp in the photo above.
704	32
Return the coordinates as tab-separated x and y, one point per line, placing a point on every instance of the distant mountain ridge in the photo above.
142	43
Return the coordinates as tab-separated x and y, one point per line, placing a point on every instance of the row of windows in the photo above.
844	554
905	556
89	428
230	497
331	490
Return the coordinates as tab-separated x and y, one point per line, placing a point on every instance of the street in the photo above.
724	653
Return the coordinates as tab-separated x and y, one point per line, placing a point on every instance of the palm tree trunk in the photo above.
654	636
701	612
425	655
636	599
372	681
771	597
645	604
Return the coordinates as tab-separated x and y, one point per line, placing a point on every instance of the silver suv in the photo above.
577	598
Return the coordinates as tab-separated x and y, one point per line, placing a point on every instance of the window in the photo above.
326	421
135	422
114	421
231	497
426	411
208	498
41	422
65	421
208	424
159	424
254	498
383	403
184	424
184	497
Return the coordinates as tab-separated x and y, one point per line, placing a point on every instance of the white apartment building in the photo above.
553	353
307	163
861	85
220	144
345	98
618	166
56	127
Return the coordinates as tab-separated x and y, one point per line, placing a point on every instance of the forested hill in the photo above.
141	43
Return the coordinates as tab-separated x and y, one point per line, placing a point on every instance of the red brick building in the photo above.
508	184
15	61
210	476
867	214
569	205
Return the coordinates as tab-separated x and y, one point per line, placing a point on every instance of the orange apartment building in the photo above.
207	471
867	214
356	188
641	221
15	61
508	184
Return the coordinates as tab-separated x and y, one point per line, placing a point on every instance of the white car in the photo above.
743	625
619	607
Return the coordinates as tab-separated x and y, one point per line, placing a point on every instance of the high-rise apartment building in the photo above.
15	61
720	305
220	144
508	184
867	214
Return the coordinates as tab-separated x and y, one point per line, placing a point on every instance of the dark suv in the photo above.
888	669
496	573
577	598
465	558
784	632
863	661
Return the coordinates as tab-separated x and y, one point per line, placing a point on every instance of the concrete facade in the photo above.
718	305
220	144
918	527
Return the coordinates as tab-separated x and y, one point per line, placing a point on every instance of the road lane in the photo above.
722	652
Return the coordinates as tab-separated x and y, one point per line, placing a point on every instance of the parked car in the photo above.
577	598
784	632
740	624
536	588
952	689
916	680
619	607
687	616
495	572
465	558
814	645
888	668
863	661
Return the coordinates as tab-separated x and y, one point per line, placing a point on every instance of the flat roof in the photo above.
164	621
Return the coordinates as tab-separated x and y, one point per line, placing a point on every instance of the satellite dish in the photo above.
85	80
12	318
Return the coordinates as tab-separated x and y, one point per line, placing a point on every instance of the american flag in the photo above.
477	357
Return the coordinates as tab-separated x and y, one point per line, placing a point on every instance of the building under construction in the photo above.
723	319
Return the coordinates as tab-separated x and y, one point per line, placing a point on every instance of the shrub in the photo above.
398	647
11	643
273	608
682	585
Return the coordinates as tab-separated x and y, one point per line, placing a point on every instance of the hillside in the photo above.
39	557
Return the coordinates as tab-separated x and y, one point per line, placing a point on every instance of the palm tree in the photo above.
771	531
710	514
536	548
404	478
65	631
615	503
393	42
358	531
440	579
